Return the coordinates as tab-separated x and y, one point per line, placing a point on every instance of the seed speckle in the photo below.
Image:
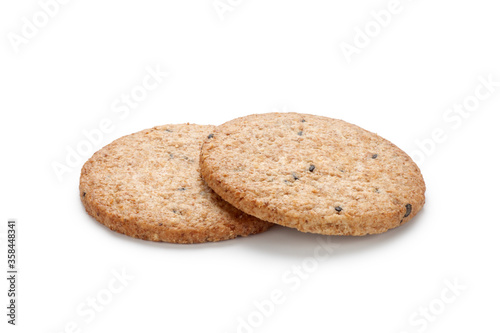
211	135
408	210
300	133
374	156
312	167
295	176
338	209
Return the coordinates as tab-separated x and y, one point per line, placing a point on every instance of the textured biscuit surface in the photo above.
148	185
312	173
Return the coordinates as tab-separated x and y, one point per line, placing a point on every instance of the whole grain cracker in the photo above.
148	185
312	173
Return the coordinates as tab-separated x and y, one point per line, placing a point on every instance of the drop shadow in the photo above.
287	242
178	246
280	241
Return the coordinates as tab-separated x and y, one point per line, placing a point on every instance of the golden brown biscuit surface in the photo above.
148	185
312	173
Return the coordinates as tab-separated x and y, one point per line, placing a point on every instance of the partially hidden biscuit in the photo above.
148	185
312	173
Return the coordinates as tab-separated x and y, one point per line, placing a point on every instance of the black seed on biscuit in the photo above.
295	176
160	224
181	189
338	209
408	210
168	130
300	133
312	167
303	121
374	156
211	135
84	194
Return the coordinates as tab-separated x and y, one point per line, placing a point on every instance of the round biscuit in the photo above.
148	185
312	173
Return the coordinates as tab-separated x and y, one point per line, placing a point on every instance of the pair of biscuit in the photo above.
192	184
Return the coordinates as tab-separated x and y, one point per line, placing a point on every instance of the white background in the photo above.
264	56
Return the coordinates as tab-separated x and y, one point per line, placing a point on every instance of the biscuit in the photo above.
148	185
312	173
